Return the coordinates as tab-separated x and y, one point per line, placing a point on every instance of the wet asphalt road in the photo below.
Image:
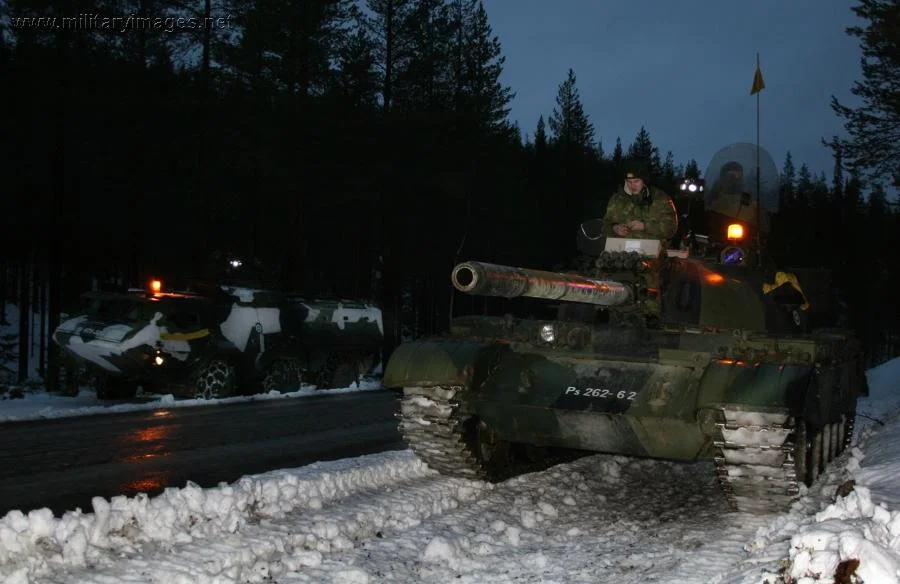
62	464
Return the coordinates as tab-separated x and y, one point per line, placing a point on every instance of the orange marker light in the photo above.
714	278
735	231
156	285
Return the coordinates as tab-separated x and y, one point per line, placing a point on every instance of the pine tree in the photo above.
668	168
788	179
387	28
569	125
618	155
485	97
643	149
356	80
873	147
804	187
426	83
692	170
837	180
540	138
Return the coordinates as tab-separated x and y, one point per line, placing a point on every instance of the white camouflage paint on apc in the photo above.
342	316
242	319
177	349
109	342
242	294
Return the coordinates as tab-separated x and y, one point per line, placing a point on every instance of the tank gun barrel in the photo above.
511	282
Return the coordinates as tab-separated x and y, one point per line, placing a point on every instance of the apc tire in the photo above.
283	376
340	370
216	379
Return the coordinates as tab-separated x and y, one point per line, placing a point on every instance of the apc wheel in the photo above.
216	379
340	370
283	375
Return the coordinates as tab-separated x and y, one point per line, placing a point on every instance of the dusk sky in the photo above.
684	70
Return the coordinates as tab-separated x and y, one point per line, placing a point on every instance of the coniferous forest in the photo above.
361	149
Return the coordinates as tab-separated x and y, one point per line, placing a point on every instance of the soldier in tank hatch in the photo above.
639	210
729	200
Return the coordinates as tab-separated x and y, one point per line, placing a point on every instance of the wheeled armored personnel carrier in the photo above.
701	350
220	340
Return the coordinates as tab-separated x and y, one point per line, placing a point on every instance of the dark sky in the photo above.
684	70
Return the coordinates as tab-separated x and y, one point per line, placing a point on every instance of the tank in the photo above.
698	349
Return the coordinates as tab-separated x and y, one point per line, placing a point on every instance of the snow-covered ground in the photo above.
388	518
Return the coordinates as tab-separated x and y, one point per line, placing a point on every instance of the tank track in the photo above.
437	430
756	458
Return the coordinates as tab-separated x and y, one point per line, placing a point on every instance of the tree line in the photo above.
357	149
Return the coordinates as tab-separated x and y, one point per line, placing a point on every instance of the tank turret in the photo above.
707	352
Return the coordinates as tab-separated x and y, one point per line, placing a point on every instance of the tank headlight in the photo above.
548	333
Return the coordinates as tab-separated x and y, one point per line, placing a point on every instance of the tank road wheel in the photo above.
494	453
837	437
826	445
801	454
216	379
458	444
283	375
815	458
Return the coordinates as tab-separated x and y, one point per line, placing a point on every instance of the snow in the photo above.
388	518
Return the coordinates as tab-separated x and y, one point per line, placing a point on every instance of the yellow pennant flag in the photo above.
758	83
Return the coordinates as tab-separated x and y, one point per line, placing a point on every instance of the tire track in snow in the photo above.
288	534
627	521
390	518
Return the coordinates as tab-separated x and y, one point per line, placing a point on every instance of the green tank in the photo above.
695	350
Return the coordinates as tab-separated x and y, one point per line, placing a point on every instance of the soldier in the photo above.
639	210
729	200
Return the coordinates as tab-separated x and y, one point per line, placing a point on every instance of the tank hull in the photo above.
734	400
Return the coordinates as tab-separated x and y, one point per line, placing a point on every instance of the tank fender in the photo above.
433	362
757	385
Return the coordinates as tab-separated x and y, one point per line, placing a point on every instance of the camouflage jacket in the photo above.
659	217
